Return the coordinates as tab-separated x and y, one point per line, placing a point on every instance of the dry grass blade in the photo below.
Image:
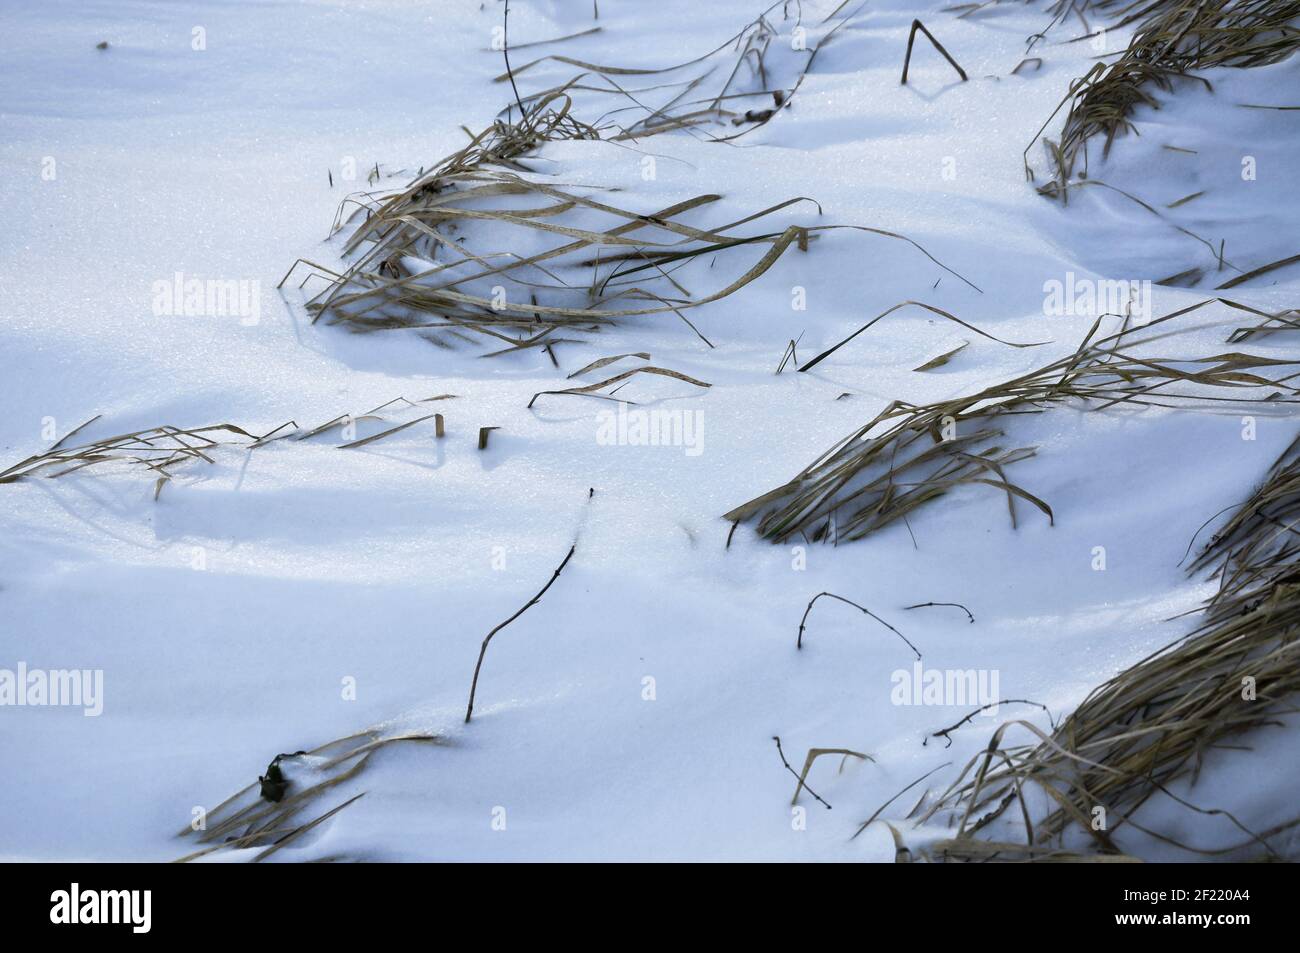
880	810
304	828
590	389
913	304
1178	203
1255	273
73	432
943	358
814	754
557	39
1281	321
790	356
911	38
380	436
606	361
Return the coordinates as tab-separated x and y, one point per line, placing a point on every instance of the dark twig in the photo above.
903	304
1257	272
926	605
918	25
469	709
946	732
802	785
505	52
803	623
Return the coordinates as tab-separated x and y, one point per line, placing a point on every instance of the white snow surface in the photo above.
384	564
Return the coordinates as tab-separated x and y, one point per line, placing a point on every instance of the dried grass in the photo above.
876	476
416	272
1152	725
266	813
412	267
734	86
1173	38
161	450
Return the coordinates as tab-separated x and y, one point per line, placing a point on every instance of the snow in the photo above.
385	564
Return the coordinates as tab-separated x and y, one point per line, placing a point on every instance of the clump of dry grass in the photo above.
418	272
1288	320
1152	724
876	476
733	86
411	262
591	390
266	813
1174	37
161	450
158	449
